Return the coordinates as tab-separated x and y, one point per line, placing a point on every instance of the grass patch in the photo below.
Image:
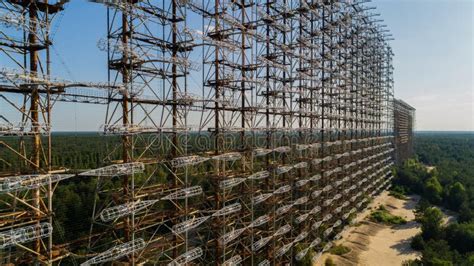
398	192
339	250
381	215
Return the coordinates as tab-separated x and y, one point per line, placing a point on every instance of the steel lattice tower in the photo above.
28	96
250	131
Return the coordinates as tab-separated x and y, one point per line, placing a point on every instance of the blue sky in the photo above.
433	61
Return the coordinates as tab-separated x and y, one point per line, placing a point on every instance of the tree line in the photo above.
442	172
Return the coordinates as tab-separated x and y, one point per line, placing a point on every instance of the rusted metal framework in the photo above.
26	98
404	123
251	130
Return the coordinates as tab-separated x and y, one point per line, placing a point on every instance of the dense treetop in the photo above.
443	174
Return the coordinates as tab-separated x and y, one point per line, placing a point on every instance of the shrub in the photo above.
339	250
398	195
398	192
381	215
461	237
438	252
431	223
329	262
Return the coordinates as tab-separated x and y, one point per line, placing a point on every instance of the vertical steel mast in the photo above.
25	93
237	131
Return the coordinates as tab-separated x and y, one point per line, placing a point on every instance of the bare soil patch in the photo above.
377	244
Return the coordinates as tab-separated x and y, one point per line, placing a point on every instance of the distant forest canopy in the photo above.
72	150
448	182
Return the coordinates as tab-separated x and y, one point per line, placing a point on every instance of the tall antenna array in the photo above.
27	88
251	130
404	120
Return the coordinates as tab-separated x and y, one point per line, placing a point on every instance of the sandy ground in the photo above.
376	244
449	216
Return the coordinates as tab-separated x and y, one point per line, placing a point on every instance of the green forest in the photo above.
73	198
442	173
